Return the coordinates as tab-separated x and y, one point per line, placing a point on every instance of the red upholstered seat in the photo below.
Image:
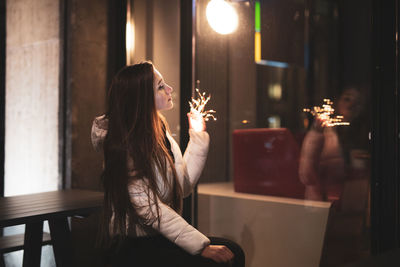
265	161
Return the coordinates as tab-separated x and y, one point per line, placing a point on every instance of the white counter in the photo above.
273	231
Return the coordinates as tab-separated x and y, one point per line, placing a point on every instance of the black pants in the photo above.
157	251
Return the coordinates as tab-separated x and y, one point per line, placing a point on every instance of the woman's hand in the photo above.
319	124
217	253
196	122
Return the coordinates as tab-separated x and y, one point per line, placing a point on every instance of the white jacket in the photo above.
188	168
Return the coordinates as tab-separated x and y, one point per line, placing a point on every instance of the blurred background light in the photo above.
221	16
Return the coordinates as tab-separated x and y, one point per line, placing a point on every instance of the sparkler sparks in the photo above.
198	113
325	113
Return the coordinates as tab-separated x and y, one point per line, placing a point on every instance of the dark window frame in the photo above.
385	135
2	90
63	101
187	16
385	182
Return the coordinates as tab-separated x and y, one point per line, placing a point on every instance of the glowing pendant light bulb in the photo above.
221	16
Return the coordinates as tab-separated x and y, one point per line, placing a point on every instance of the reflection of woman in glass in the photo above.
325	153
145	177
334	166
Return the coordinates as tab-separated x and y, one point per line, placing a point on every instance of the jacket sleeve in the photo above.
190	166
171	225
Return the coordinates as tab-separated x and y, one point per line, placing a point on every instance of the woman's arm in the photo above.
309	164
310	157
171	224
196	155
190	166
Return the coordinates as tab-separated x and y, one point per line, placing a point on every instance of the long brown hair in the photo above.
135	130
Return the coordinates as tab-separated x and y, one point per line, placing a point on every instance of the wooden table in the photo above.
55	207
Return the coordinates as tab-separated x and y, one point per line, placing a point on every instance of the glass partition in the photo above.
291	87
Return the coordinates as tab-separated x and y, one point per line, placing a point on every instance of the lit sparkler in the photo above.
325	113
198	113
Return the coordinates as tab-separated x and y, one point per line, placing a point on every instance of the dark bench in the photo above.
16	242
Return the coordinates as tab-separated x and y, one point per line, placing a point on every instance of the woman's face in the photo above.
349	105
162	92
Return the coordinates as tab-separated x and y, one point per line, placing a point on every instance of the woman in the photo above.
325	154
334	166
145	178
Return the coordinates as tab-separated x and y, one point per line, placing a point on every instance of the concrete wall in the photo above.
32	96
32	104
87	86
157	38
166	53
87	28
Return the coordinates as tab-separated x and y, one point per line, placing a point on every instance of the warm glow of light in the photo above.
325	114
130	36
245	121
197	113
305	123
275	91
130	41
221	16
257	47
196	120
274	122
